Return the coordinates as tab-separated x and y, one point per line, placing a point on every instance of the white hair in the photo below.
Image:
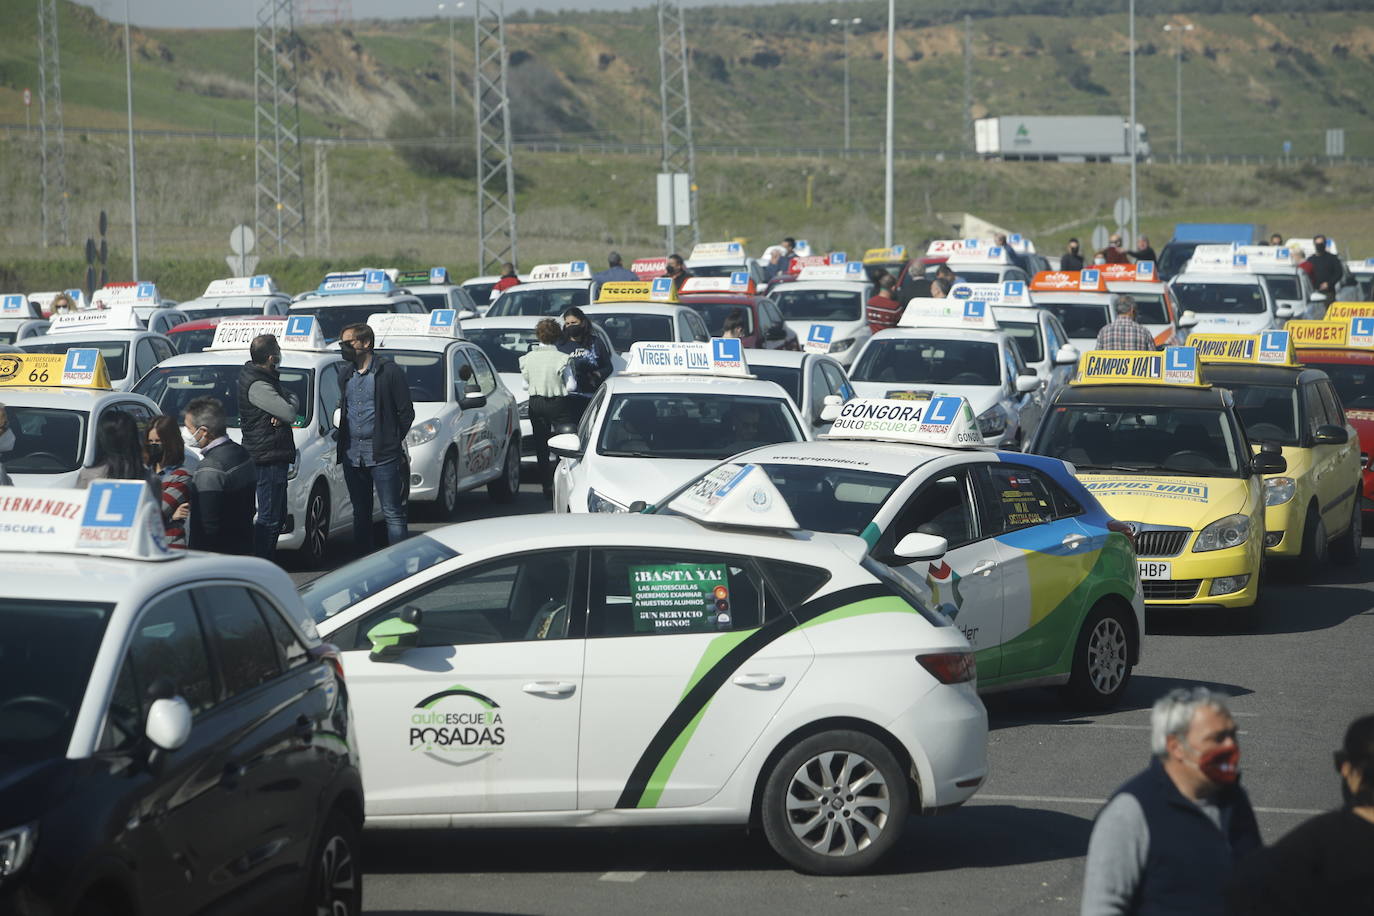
1173	714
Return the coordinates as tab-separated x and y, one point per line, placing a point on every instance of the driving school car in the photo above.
1225	296
129	349
1348	360
824	307
633	669
235	297
20	318
1165	452
348	298
1040	580
550	290
436	291
1039	336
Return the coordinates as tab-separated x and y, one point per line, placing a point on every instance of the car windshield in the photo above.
533	301
230	311
695	426
713	270
1269	413
836	500
503	346
627	327
173	387
1179	440
939	362
1149	308
480	293
424	372
351	583
967	275
1174	256
46	440
1220	298
1027	338
1284	287
332	319
819	305
434	301
193	341
114	352
1354	382
1080	319
49	649
787	377
716	314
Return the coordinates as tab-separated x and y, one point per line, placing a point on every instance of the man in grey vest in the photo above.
266	414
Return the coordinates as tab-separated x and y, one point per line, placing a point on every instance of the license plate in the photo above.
1154	569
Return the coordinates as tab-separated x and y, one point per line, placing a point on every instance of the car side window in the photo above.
943	507
839	384
141	414
460	359
584	426
244	647
291	652
684	327
166	643
1316	410
482	371
1051	339
329	395
792	582
513	599
162	349
649	591
1018	497
144	358
1009	365
1335	413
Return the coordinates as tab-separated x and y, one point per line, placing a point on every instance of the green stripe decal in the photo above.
717	649
654	789
888	604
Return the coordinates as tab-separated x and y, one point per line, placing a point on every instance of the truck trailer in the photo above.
1075	138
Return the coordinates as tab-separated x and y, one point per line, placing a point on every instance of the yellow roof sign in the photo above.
1173	366
880	255
1339	311
1268	348
1350	334
81	367
656	290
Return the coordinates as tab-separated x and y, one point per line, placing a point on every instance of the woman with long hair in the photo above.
119	452
166	455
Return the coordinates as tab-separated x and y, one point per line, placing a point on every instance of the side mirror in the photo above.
472	397
567	445
776	332
336	417
1330	435
1027	383
1266	463
1188	319
169	723
1283	312
465	314
638	506
1067	355
917	546
392	637
1317	297
830	411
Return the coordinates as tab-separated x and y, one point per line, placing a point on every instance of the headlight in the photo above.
992	422
291	470
16	846
421	433
598	503
1231	531
840	346
524	410
1278	490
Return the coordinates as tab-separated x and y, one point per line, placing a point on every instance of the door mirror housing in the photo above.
1066	355
465	314
1317	297
1027	383
1266	463
1188	319
1283	312
336	417
776	332
830	409
1330	434
392	637
169	723
566	445
472	398
917	546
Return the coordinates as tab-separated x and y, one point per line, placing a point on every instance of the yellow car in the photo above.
1312	508
1164	451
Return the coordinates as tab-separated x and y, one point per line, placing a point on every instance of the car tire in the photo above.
1346	549
336	880
1101	660
315	539
853	830
446	499
1314	543
505	488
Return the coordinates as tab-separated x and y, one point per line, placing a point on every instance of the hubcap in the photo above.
513	466
1107	655
338	880
450	484
315	525
837	803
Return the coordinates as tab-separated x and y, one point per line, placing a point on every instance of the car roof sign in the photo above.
721	356
293	332
117	294
1008	292
79	367
882	255
848	270
739	281
1355	333
17	306
1339	311
259	285
1267	348
735	494
970	314
122	318
110	518
944	420
438	323
659	289
1176	367
433	276
370	280
713	250
572	270
1088	280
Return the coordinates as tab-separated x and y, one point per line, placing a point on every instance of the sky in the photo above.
242	13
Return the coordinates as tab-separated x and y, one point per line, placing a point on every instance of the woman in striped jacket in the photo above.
166	455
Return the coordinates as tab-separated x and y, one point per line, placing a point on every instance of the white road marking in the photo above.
1064	800
623	877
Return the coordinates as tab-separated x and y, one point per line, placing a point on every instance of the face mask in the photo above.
273	363
347	352
7	441
1221	765
189	438
155	452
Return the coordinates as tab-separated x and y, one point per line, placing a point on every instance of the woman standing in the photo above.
590	361
119	453
166	455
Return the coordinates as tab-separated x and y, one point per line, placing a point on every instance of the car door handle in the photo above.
985	568
759	681
550	688
1072	541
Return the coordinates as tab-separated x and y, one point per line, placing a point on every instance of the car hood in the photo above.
28	788
1181	502
1209	323
650	479
979	397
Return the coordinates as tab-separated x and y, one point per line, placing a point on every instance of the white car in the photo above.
721	259
481	290
20	318
1040	338
977	261
317	501
435	291
55	403
129	349
675	410
1288	284
349	298
628	323
236	297
466	430
1224	297
505	674
808	378
504	340
951	346
1155	305
550	291
825	306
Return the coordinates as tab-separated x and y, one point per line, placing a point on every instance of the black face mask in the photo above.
154	452
348	352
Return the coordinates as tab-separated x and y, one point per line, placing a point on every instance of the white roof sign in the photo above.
573	270
739	281
438	323
134	294
735	494
293	332
16	306
116	319
722	356
943	420
260	285
849	270
971	314
1008	292
111	518
717	250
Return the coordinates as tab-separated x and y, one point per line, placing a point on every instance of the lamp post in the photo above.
1134	135
133	171
891	82
1178	82
846	23
452	82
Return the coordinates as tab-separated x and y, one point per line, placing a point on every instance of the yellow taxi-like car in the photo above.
1165	452
1313	506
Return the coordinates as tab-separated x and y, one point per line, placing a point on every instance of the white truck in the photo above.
1087	138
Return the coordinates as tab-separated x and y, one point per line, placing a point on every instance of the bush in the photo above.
425	143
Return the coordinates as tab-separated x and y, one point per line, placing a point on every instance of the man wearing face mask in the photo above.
1168	839
6	445
224	481
1327	269
1072	258
267	412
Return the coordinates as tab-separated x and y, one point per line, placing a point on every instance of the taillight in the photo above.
950	667
330	653
1122	528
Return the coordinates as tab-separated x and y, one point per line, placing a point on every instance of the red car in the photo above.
763	324
1351	370
194	336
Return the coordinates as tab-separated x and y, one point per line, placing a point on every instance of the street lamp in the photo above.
129	94
846	23
1134	135
452	83
1178	74
891	90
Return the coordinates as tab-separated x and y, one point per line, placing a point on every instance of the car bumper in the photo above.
1194	577
426	467
1367	490
1283	528
946	735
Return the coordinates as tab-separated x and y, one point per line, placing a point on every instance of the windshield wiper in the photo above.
1112	467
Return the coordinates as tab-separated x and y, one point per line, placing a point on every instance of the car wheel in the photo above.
447	502
316	541
1314	543
504	488
336	881
1101	660
835	803
1346	550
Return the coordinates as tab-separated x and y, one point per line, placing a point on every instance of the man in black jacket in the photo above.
267	412
224	481
1327	269
375	417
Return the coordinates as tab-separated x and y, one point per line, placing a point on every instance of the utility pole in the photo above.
133	163
846	23
1178	84
491	109
52	147
278	176
968	81
323	243
679	150
452	79
891	85
1134	135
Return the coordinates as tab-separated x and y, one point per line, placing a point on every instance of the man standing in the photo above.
614	273
1143	250
1168	839
375	418
677	270
789	252
1124	333
267	412
1072	258
224	481
542	369
1327	269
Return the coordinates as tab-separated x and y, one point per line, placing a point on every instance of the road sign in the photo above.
1100	237
1335	141
1121	211
28	97
674	199
1287	147
241	265
241	241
